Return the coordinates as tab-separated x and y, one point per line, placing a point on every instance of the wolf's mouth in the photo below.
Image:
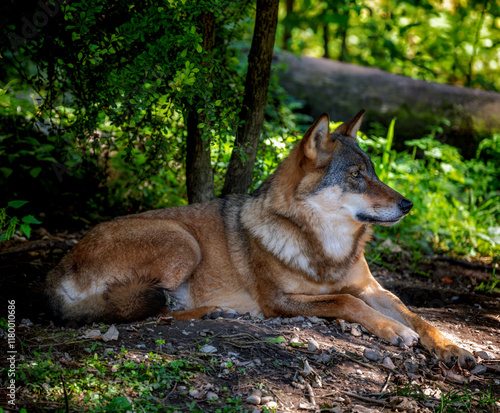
367	219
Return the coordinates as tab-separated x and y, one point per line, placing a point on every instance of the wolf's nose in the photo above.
405	205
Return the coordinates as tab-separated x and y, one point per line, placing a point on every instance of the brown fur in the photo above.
293	247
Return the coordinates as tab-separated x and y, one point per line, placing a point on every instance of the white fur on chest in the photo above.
284	246
335	230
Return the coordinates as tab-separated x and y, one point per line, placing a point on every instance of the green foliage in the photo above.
108	101
9	225
448	42
456	201
491	285
101	385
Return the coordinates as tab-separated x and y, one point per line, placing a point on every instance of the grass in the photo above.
104	381
454	400
456	201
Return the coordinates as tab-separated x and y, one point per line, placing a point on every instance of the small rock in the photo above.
343	325
388	363
412	366
358	371
333	349
272	404
26	322
372	355
266	399
482	354
91	334
207	348
111	334
212	396
315	320
408	405
324	357
256	392
312	345
254	399
215	314
355	330
297	319
194	393
479	369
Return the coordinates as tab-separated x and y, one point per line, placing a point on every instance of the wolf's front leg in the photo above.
387	303
342	306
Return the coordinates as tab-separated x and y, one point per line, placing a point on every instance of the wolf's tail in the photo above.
133	298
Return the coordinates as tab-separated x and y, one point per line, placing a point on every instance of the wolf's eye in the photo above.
355	174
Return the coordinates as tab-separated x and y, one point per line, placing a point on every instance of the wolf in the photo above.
295	246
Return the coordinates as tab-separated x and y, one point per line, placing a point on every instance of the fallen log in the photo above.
342	89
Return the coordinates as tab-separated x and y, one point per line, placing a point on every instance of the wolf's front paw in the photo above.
398	335
451	353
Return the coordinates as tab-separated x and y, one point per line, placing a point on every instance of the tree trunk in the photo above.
199	174
417	104
287	33
240	169
326	40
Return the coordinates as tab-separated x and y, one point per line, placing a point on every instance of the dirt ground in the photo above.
286	364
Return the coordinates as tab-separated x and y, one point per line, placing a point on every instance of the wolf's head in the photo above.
337	177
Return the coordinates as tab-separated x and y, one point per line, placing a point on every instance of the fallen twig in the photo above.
366	399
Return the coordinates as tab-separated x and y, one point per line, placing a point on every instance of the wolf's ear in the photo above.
351	128
316	142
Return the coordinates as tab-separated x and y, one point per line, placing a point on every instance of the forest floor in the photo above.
236	363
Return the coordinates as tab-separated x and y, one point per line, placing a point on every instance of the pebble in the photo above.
324	357
212	396
372	355
272	405
343	325
356	331
254	399
194	393
479	369
215	314
388	363
482	354
412	366
266	399
312	345
207	348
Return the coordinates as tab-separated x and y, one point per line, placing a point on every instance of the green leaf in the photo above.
35	172
275	340
26	229
30	219
218	102
199	49
16	204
